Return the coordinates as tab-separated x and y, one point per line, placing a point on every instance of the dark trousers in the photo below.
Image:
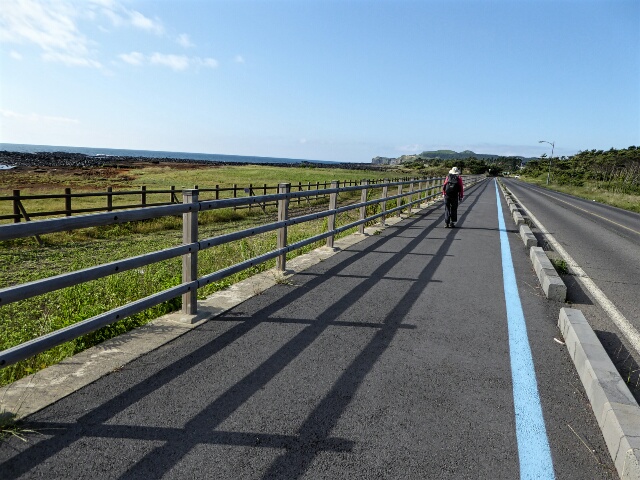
450	209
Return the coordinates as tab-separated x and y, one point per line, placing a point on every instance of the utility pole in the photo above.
553	144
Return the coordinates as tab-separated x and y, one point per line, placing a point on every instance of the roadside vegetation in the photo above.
611	177
25	260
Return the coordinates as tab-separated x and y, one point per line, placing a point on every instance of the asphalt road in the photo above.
390	360
603	240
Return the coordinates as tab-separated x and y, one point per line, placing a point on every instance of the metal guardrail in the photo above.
426	189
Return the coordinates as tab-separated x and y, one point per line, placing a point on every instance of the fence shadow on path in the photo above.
313	436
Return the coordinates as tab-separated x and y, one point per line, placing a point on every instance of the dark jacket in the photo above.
460	183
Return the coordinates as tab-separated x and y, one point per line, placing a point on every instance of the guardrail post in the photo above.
385	194
190	260
410	196
399	200
283	214
420	192
16	206
67	202
363	210
331	219
143	195
109	199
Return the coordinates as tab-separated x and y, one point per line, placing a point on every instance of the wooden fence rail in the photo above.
418	191
171	195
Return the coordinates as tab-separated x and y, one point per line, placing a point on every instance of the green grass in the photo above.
160	178
560	265
24	260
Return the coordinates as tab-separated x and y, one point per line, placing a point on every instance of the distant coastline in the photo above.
149	154
23	155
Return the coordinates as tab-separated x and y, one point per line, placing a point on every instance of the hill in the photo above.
444	155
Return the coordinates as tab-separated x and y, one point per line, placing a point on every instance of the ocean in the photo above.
113	152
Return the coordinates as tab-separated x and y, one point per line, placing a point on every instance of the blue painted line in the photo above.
533	445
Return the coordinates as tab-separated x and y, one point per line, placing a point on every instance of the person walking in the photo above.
452	191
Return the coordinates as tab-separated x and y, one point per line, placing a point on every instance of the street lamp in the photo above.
553	144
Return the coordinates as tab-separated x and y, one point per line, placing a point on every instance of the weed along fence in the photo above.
79	203
391	198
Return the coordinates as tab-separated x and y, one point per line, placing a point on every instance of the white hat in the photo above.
455	171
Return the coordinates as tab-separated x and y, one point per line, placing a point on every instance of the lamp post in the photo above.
553	144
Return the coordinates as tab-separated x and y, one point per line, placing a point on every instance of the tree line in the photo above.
613	170
471	165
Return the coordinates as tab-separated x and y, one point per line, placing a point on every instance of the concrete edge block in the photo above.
534	256
616	410
543	260
602	383
527	236
553	286
630	465
621	431
518	218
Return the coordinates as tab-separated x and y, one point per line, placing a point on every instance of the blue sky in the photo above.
329	80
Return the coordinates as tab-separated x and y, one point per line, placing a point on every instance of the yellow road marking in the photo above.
591	213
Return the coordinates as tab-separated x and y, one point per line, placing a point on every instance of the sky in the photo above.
341	80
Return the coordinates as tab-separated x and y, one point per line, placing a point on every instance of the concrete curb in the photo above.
553	286
527	236
517	218
615	408
613	405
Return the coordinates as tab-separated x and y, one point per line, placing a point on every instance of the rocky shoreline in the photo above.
80	160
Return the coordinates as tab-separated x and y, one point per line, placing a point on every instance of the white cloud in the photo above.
133	58
53	26
120	16
138	20
207	62
35	117
175	62
70	60
239	59
50	26
184	41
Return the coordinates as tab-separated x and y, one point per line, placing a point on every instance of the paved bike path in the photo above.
390	359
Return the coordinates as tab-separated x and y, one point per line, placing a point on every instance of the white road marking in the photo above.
589	212
628	330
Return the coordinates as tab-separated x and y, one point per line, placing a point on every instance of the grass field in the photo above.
160	177
24	260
